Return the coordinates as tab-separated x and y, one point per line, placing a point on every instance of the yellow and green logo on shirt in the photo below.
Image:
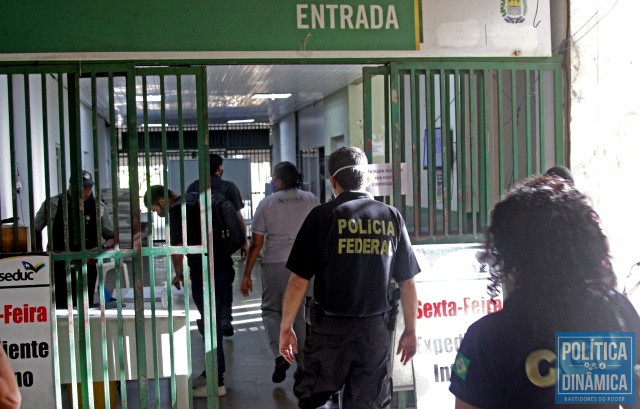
461	366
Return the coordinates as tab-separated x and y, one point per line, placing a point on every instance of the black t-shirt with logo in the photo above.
353	245
504	353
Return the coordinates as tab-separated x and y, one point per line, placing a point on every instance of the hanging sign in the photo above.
71	26
382	179
25	326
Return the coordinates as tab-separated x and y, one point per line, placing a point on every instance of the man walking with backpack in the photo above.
155	202
229	235
223	263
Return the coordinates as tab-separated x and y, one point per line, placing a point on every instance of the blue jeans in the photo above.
224	277
223	280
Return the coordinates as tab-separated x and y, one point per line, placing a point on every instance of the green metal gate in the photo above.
464	131
64	118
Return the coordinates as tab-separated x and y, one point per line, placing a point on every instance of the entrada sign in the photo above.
63	26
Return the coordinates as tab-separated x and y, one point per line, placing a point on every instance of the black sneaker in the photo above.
227	329
280	371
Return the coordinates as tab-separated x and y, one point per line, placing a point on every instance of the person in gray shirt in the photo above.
278	218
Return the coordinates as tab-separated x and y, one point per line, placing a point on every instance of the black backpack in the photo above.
228	236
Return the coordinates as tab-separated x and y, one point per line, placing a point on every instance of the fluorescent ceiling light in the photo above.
270	96
150	98
240	121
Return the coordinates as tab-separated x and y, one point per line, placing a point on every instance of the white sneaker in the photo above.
201	392
201	380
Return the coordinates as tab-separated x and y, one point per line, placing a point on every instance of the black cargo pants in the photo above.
349	352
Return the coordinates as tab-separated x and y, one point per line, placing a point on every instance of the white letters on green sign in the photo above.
331	16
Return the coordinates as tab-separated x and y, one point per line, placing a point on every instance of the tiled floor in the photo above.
249	359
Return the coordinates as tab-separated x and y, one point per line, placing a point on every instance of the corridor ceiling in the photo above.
230	88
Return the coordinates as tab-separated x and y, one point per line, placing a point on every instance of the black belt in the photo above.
323	313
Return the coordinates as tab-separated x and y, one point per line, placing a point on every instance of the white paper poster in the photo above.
382	179
25	326
452	294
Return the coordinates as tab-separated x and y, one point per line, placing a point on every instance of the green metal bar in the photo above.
100	278
183	215
416	152
444	129
65	218
152	280
431	150
446	62
96	160
116	232
460	164
45	147
476	64
473	150
501	149
368	113
29	148
541	121
514	127
138	300
163	116
77	207
465	157
402	206
12	149
440	239
395	135
387	125
387	118
63	167
52	307
527	97
557	111
485	158
211	345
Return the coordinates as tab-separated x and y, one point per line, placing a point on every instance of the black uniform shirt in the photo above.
352	245
500	355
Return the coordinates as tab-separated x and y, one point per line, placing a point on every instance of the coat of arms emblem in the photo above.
513	11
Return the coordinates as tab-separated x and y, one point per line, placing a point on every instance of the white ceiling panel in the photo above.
230	88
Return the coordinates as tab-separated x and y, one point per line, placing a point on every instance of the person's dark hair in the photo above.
288	174
546	238
215	161
348	166
560	171
153	195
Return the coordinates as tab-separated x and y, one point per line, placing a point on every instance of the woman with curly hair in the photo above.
546	249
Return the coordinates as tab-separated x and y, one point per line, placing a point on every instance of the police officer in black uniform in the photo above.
59	225
353	246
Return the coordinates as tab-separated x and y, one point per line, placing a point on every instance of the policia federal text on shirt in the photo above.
353	246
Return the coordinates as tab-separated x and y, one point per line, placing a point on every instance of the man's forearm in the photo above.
177	263
409	301
296	290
